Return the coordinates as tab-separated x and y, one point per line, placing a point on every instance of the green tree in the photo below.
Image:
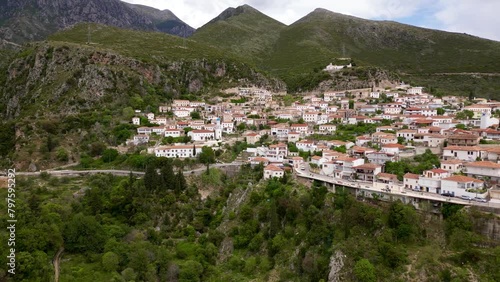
365	271
62	154
440	111
207	157
109	155
128	113
110	261
83	234
465	114
190	271
195	115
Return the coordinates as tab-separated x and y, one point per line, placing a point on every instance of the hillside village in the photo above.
349	135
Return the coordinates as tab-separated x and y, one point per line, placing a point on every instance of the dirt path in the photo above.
55	262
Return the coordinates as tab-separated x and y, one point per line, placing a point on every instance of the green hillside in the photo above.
323	35
147	46
297	52
243	31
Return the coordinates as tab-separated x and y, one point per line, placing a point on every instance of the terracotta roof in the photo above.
316	158
483	164
368	166
462	178
463	136
411	176
260	159
393	146
277	145
252	134
451	161
386	175
202	131
438	170
345	159
272	168
464	148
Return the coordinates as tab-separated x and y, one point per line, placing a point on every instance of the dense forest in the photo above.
160	228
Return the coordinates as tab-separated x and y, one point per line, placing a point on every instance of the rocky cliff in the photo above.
66	90
29	20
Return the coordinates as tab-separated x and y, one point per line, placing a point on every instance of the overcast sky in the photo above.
476	17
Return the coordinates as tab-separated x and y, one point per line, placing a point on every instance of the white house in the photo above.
327	128
150	116
293	136
141	139
136	121
453	165
280	130
431	181
144	130
297	162
173	132
464	153
201	135
301	128
459	185
306	145
483	169
415	91
271	171
310	117
180	151
392	148
410	181
181	113
277	151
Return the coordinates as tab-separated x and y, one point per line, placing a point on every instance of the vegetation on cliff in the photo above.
247	229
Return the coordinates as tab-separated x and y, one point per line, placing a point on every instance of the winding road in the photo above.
117	172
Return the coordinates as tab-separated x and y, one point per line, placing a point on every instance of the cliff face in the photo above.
76	94
29	20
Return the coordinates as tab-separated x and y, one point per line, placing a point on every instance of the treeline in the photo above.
158	228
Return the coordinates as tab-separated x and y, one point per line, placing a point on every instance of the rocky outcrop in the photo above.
70	79
28	20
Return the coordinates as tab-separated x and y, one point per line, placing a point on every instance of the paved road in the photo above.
116	171
395	189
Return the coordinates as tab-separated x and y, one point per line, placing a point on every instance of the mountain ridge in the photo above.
28	20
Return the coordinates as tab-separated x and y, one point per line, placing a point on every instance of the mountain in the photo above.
322	35
442	60
164	20
30	20
243	30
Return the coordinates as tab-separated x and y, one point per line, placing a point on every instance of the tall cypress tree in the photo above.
151	178
168	176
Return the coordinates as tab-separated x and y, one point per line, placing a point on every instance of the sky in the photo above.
476	17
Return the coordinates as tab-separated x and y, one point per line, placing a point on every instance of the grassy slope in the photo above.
248	34
147	46
322	35
315	40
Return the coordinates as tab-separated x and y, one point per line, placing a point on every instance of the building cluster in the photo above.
417	121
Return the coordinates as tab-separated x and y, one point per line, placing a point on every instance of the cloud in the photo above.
477	17
470	16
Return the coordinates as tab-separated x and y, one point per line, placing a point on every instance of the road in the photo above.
116	172
395	189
